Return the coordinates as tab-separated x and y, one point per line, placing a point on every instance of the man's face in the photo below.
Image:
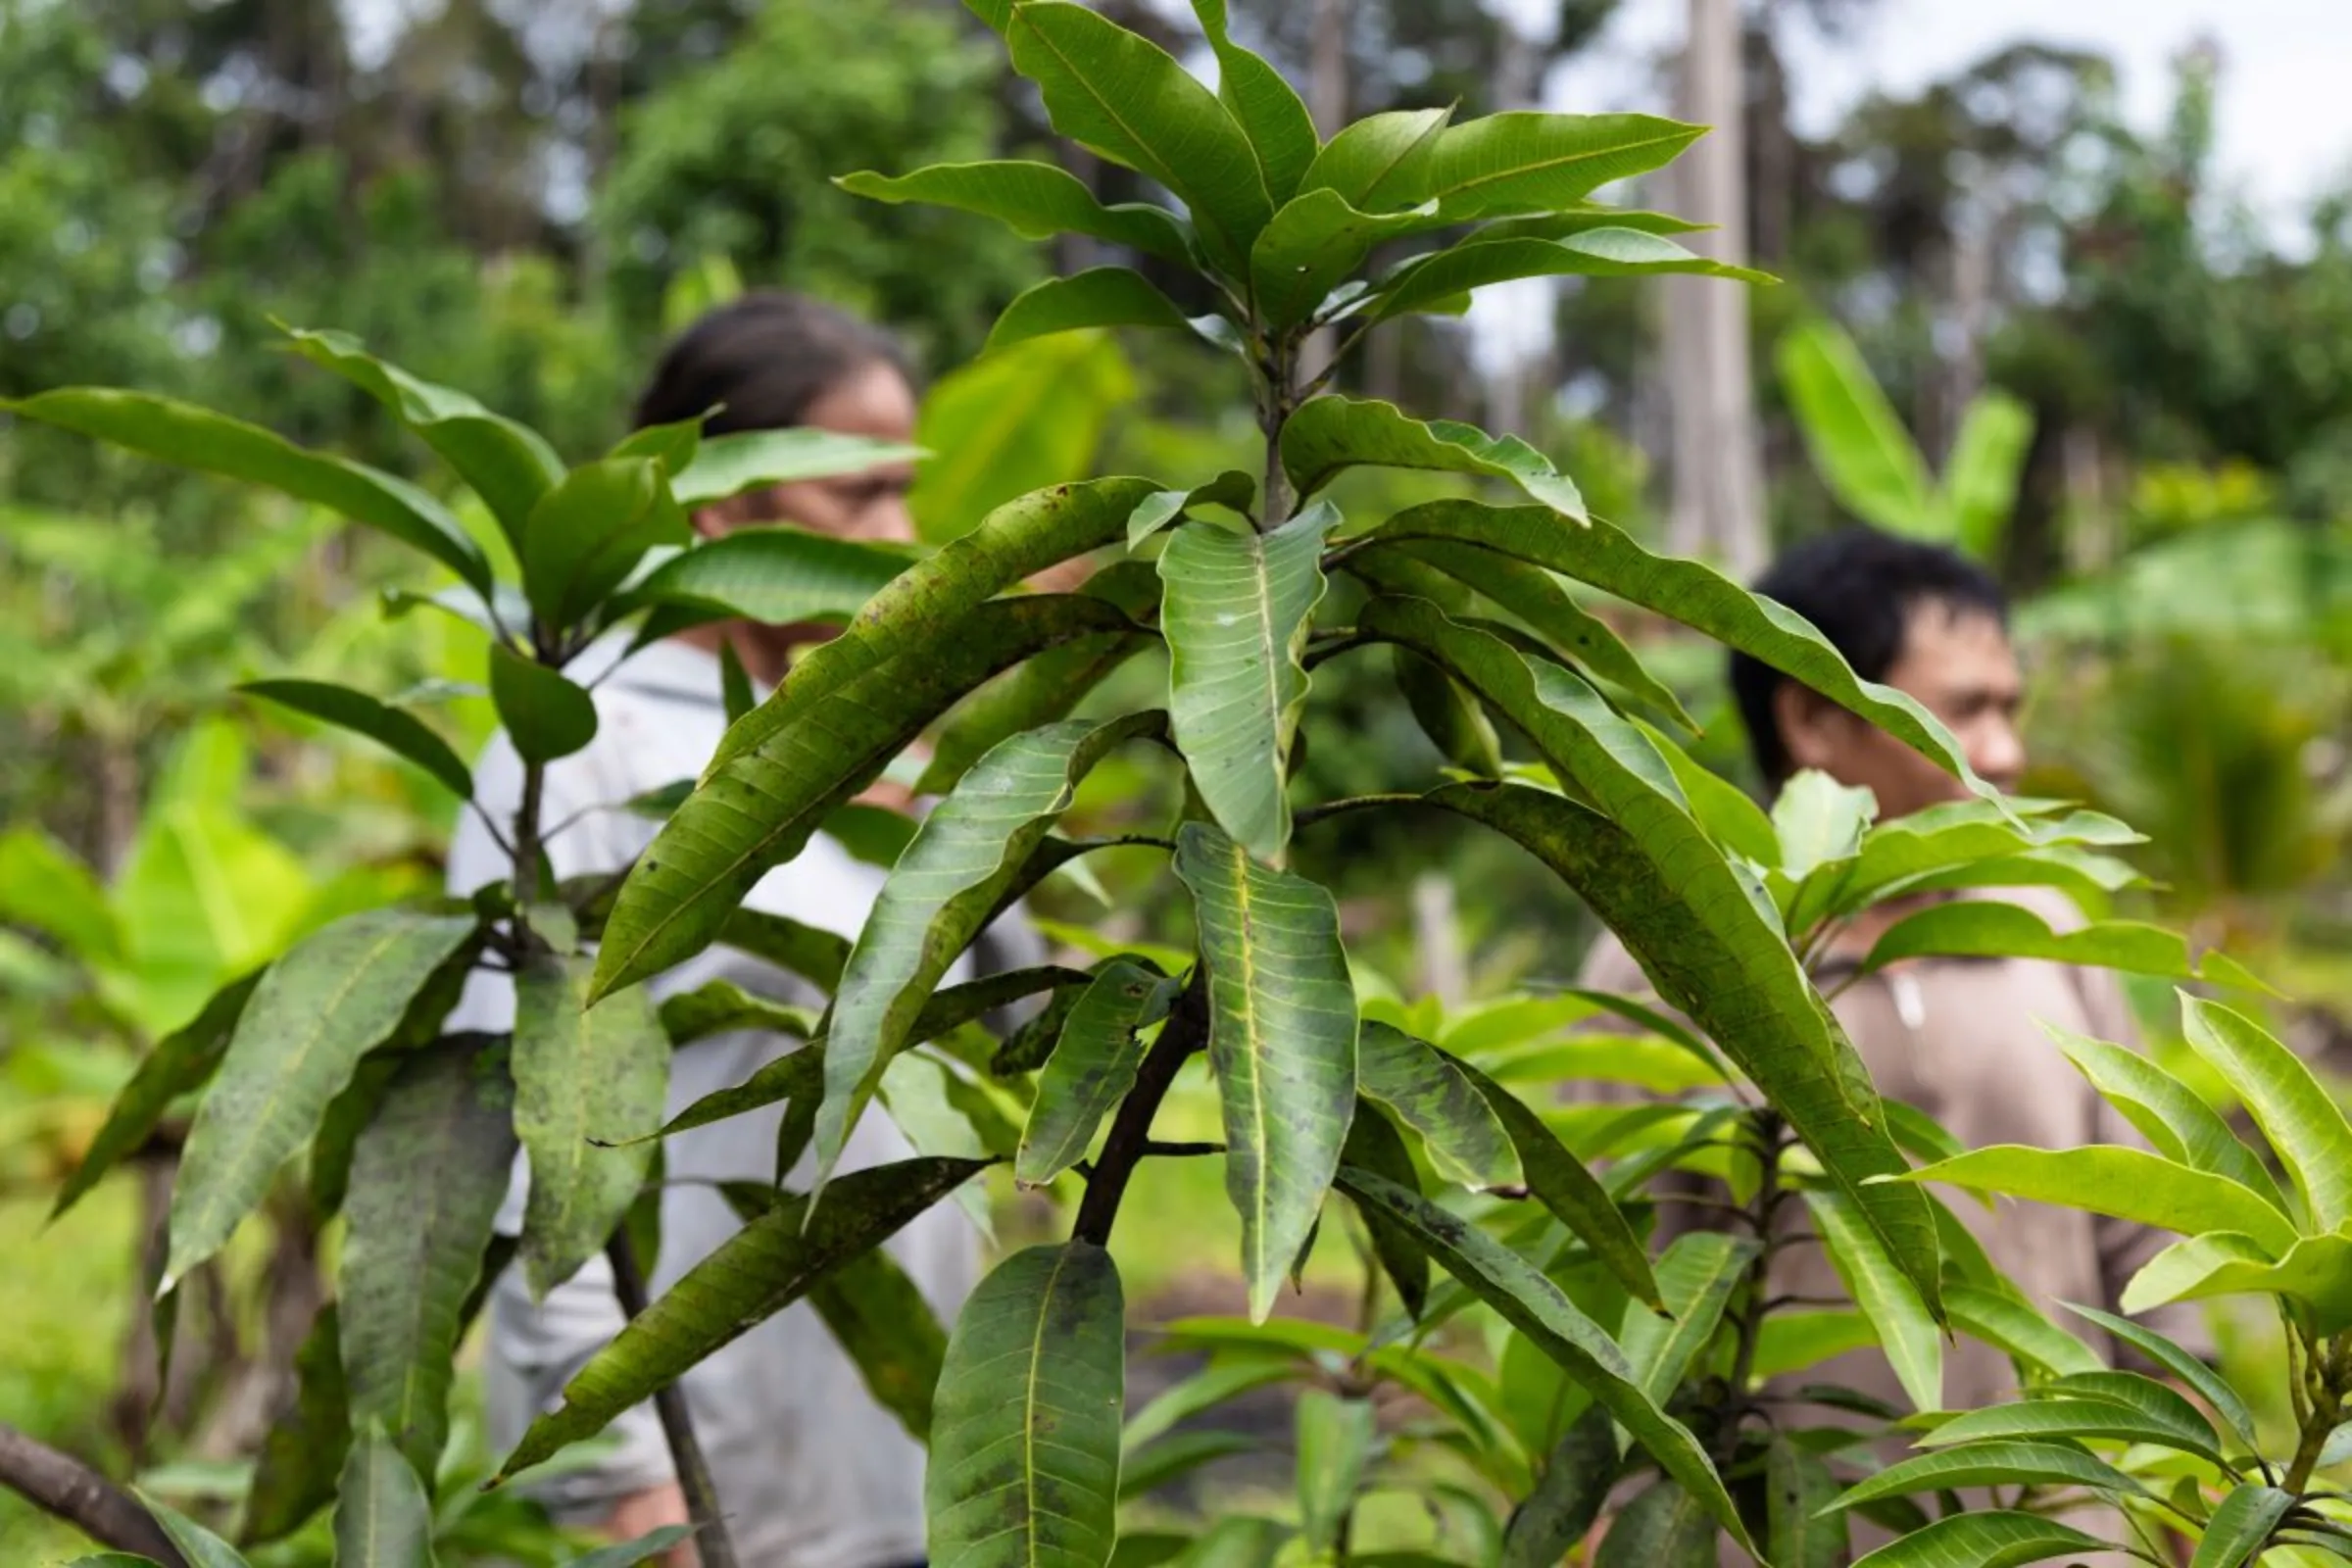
873	400
1958	665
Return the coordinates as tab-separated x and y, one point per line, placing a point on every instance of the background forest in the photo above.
522	201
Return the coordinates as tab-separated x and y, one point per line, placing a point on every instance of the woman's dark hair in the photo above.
1861	588
761	361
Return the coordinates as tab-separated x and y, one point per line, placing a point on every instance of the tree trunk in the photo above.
1718	509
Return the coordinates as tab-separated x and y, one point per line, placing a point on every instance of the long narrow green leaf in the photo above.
1908	1334
2240	1526
48	887
199	1545
2169	1114
754	1274
759	810
1981	476
1331	435
588	1081
814	954
508	465
2043	1419
1144	1471
2317	1272
1024	1469
2019	1329
314	1014
2128	1183
1100	295
881	1321
1693	594
192	437
1380	163
296	1472
937	899
1036	200
2186	1264
1283	1042
1859	445
1532	1304
2195	1375
1525	162
1091	1071
1129	100
1697	1275
1236	609
1016	541
776	576
1434	283
1432	1094
400	732
2136	1392
721	1006
182	1061
1799	1486
629	1553
1986	928
1997	1463
727	465
2302	1121
1984	1538
1663	1527
1568	1495
426	1180
382	1517
1666	889
1375	1144
1334	1442
1269	111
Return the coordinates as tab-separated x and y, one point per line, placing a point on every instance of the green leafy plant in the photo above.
1440	1137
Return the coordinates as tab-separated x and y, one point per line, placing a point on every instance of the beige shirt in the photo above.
1961	1040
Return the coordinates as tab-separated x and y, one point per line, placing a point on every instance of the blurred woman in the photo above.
809	1470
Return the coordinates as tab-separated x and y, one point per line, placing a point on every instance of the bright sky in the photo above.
2283	115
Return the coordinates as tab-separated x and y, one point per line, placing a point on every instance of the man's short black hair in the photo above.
760	361
1861	588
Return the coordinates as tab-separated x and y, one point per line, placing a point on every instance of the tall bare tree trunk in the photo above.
1718	484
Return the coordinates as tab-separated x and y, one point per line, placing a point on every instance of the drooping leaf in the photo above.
1700	938
1568	1495
296	1472
395	730
2167	1114
1129	100
2018	1328
1856	441
1523	161
382	1516
182	1061
1024	1465
1037	201
1269	111
2195	1375
1699	597
2128	1183
760	810
1100	295
508	465
426	1180
587	1082
2004	1462
1375	1144
754	1274
192	437
1091	1071
777	576
939	896
1799	1487
1330	434
727	465
588	533
1436	1097
1015	542
1663	1527
879	1318
2316	1271
721	1006
1432	283
314	1014
1984	1538
1982	474
1334	1443
1235	610
1907	1331
545	716
1282	1040
1534	1305
1315	244
2300	1118
1696	1276
2240	1525
1986	928
2040	1420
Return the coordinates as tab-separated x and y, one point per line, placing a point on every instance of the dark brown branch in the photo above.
1130	1136
60	1484
710	1540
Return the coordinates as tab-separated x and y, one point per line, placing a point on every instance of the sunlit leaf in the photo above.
1036	200
1268	110
1433	283
1523	161
2005	1462
2302	1120
1380	163
1697	1275
1331	435
1856	441
1100	295
2128	1183
1907	1331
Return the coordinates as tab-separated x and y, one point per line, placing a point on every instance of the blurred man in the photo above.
1960	1039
